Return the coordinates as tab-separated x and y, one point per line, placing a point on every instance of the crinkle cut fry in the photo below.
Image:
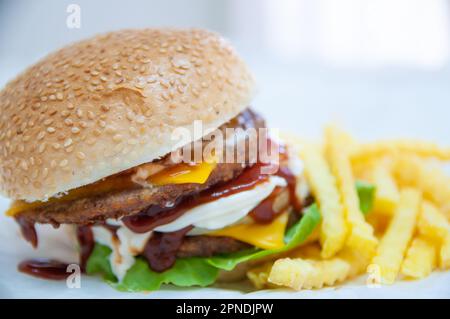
394	243
360	236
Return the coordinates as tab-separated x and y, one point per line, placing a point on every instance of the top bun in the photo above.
106	104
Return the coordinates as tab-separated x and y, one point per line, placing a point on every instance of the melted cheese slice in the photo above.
183	174
178	174
265	236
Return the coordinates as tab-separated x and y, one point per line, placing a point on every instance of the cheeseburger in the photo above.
103	135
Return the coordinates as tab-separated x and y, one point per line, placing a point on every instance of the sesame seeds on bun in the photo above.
109	103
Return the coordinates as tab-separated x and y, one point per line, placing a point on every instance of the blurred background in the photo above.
380	68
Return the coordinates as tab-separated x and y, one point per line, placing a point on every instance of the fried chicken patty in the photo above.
207	246
116	204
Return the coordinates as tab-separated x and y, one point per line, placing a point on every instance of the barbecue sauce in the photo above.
161	249
28	231
44	268
264	213
85	238
155	216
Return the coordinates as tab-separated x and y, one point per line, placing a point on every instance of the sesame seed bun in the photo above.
109	103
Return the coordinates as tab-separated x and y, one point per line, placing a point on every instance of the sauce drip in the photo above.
85	238
161	249
265	213
291	180
155	216
44	268
28	231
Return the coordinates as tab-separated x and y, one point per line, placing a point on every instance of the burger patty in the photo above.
98	208
207	246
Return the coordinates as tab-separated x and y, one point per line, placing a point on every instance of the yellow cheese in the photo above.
265	236
183	174
178	174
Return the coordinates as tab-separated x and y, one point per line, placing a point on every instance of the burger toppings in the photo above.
250	210
119	195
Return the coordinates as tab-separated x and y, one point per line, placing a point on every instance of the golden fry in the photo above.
323	186
358	262
420	259
392	147
258	276
433	224
430	179
360	235
387	193
395	241
307	273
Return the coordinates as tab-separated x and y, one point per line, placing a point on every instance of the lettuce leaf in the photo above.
185	273
366	194
98	263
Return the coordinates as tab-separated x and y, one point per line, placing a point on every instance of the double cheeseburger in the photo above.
87	138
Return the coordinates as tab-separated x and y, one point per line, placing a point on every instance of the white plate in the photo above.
57	244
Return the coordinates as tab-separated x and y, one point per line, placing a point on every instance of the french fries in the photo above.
430	179
259	276
360	235
410	217
395	241
420	259
323	185
433	224
307	273
411	147
387	193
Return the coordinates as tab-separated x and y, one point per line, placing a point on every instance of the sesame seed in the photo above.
51	129
24	165
69	149
81	155
110	129
75	130
42	147
41	135
140	119
68	142
117	138
90	115
63	163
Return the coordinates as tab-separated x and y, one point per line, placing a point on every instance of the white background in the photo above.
380	68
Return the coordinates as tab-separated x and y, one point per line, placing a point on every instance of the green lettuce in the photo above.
366	194
203	271
185	273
